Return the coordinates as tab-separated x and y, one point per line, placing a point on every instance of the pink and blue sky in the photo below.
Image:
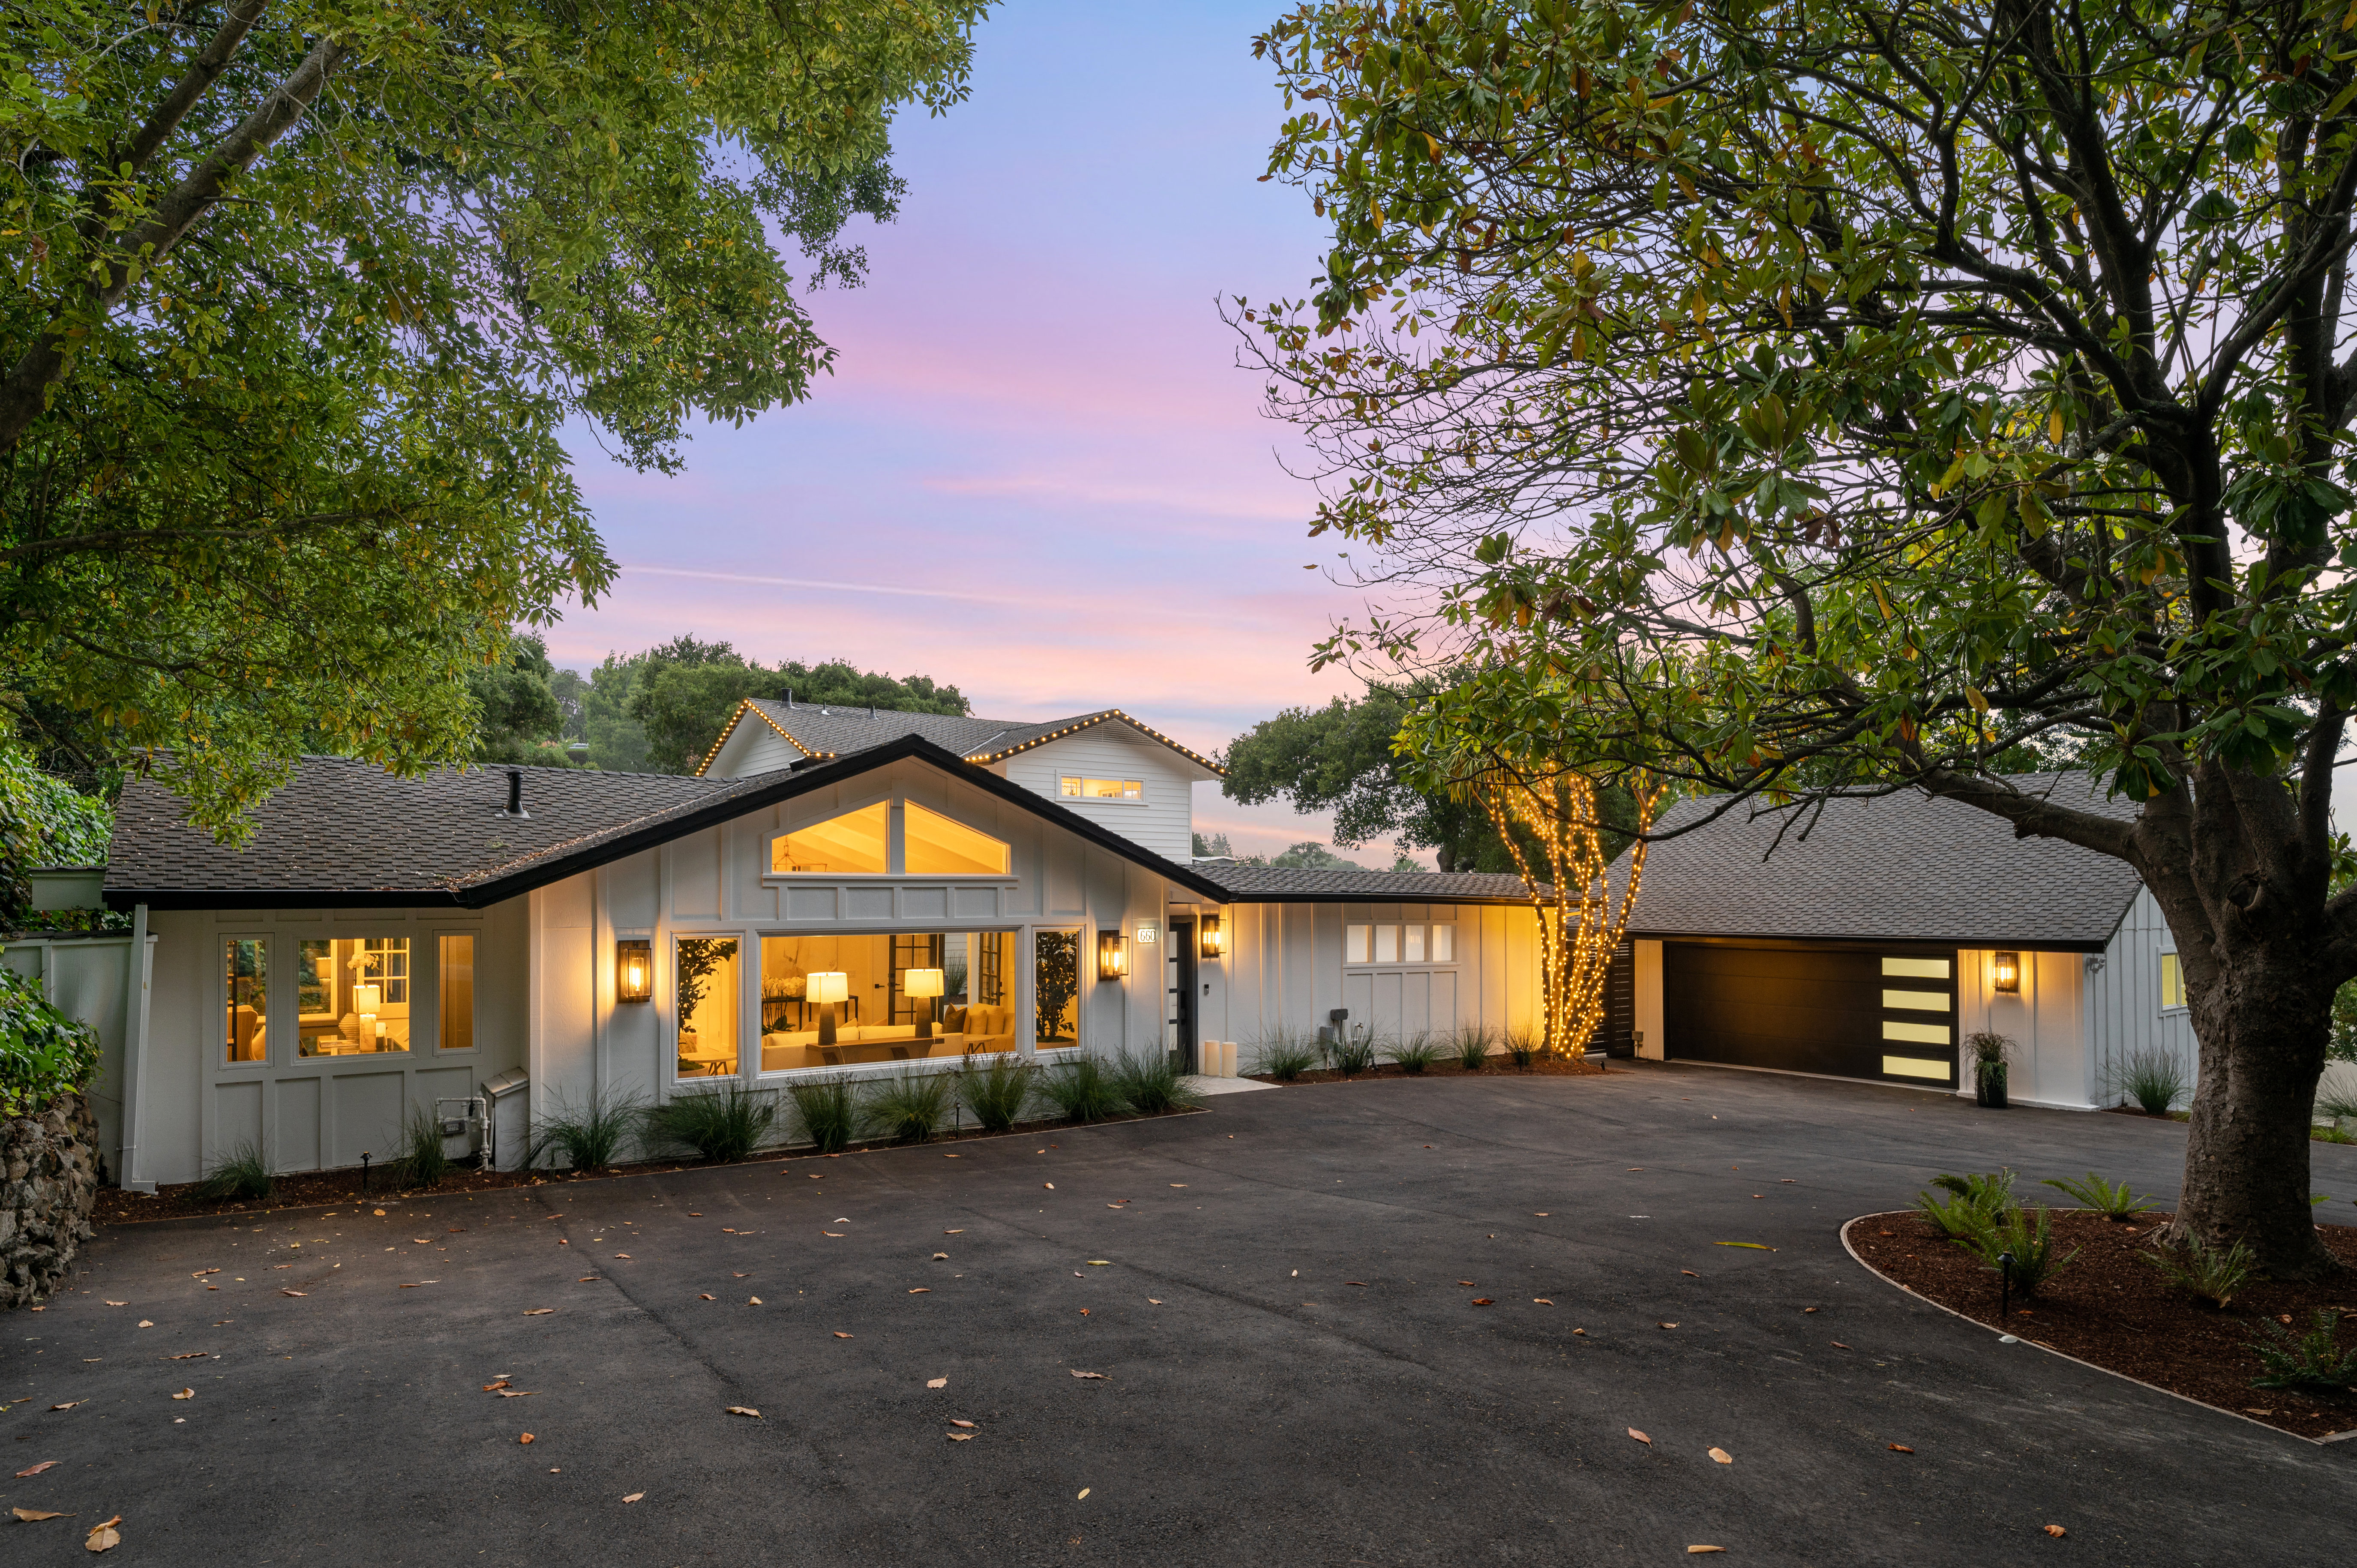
1036	471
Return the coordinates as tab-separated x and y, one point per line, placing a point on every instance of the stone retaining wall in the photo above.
49	1186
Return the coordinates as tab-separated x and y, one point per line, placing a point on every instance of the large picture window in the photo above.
878	1021
351	995
1056	989
852	844
245	969
937	847
704	980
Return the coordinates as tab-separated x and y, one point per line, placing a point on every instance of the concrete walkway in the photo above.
1296	1371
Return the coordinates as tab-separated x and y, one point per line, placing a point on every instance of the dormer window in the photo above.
1076	789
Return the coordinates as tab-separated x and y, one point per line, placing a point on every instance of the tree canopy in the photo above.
1803	398
301	297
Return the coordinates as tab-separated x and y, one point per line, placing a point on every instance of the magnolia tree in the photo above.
301	297
1835	398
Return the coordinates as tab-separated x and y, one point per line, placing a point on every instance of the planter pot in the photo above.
1988	1088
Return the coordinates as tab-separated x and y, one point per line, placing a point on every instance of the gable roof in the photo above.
1281	885
346	833
1904	867
830	730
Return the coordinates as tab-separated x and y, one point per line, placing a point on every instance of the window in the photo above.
1444	944
1387	944
1411	945
1914	969
351	995
455	973
878	1021
1101	789
1399	945
936	846
2172	982
1357	943
704	980
849	845
1056	989
245	967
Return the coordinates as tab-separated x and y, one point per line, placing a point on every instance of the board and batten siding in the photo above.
2046	1019
89	978
2125	1012
1164	821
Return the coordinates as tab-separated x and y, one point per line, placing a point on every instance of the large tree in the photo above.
301	296
1833	397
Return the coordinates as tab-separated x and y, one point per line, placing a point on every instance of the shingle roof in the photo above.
1904	867
831	730
1277	885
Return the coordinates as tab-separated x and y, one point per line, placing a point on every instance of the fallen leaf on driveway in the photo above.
622	1254
186	1394
838	1235
707	1298
744	1410
955	1422
1722	1456
959	1436
958	1231
1153	1301
31	1515
538	1311
634	1497
1178	1184
1668	1326
941	1257
44	1464
105	1537
1753	1245
1101	1377
187	1355
1900	1449
1541	1301
1641	1437
1690	1274
949	1157
2055	1531
839	1334
1540	1213
1465	1282
1049	1185
490	1387
1483	1301
144	1323
1837	1344
515	1393
752	1301
937	1382
423	1241
380	1213
1696	1550
282	1291
1582	1332
922	1290
1085	1490
525	1438
69	1404
1100	1263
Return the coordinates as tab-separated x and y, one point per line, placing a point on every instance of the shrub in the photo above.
828	1110
1284	1054
906	1108
2312	1361
587	1138
2338	1105
2027	1230
1352	1051
43	1052
1471	1047
2155	1079
2214	1274
1975	1207
1153	1084
2111	1202
1522	1047
242	1173
1081	1089
424	1162
997	1093
727	1125
1415	1053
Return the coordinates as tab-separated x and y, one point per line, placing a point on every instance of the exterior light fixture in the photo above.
828	989
1113	956
2004	972
925	984
634	969
1215	940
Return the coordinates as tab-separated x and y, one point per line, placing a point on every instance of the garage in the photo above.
1881	1012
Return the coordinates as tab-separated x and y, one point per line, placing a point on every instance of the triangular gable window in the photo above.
849	845
937	847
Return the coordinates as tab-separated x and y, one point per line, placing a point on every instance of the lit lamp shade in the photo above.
2004	972
828	987
367	998
920	983
634	969
1113	956
1215	938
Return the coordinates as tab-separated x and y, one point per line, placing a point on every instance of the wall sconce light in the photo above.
827	989
634	969
2004	972
925	984
1113	956
1215	940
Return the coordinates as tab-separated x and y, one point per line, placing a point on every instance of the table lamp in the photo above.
828	987
366	1000
925	983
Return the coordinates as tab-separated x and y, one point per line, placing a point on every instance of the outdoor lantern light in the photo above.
2004	972
1112	958
1215	940
634	969
925	983
828	987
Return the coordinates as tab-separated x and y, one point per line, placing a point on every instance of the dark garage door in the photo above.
1889	1016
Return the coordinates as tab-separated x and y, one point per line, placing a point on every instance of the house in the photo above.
835	891
1868	938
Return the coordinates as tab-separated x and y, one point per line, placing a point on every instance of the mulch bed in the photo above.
310	1189
1442	1069
2111	1308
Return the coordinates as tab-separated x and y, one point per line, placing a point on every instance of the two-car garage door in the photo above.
1887	1015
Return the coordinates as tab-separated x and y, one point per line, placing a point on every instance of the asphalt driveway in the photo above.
1294	1368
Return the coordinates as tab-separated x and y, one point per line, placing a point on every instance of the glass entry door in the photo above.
1178	1012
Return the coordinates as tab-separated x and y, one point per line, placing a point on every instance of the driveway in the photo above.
1294	1368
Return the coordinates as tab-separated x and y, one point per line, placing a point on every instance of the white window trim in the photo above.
2167	1009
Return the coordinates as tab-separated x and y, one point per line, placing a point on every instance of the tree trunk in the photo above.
2263	1016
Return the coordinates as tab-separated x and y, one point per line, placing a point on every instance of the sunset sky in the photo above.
1037	472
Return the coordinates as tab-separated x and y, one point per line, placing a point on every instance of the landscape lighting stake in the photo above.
2005	1290
364	1170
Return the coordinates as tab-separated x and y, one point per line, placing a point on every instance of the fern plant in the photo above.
2026	1230
2116	1203
1975	1204
2310	1360
2214	1275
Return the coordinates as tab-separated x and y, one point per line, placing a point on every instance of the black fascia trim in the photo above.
794	783
1788	939
1511	903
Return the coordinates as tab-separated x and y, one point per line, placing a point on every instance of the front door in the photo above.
1179	968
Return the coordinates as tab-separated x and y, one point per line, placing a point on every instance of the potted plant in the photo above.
1991	1053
